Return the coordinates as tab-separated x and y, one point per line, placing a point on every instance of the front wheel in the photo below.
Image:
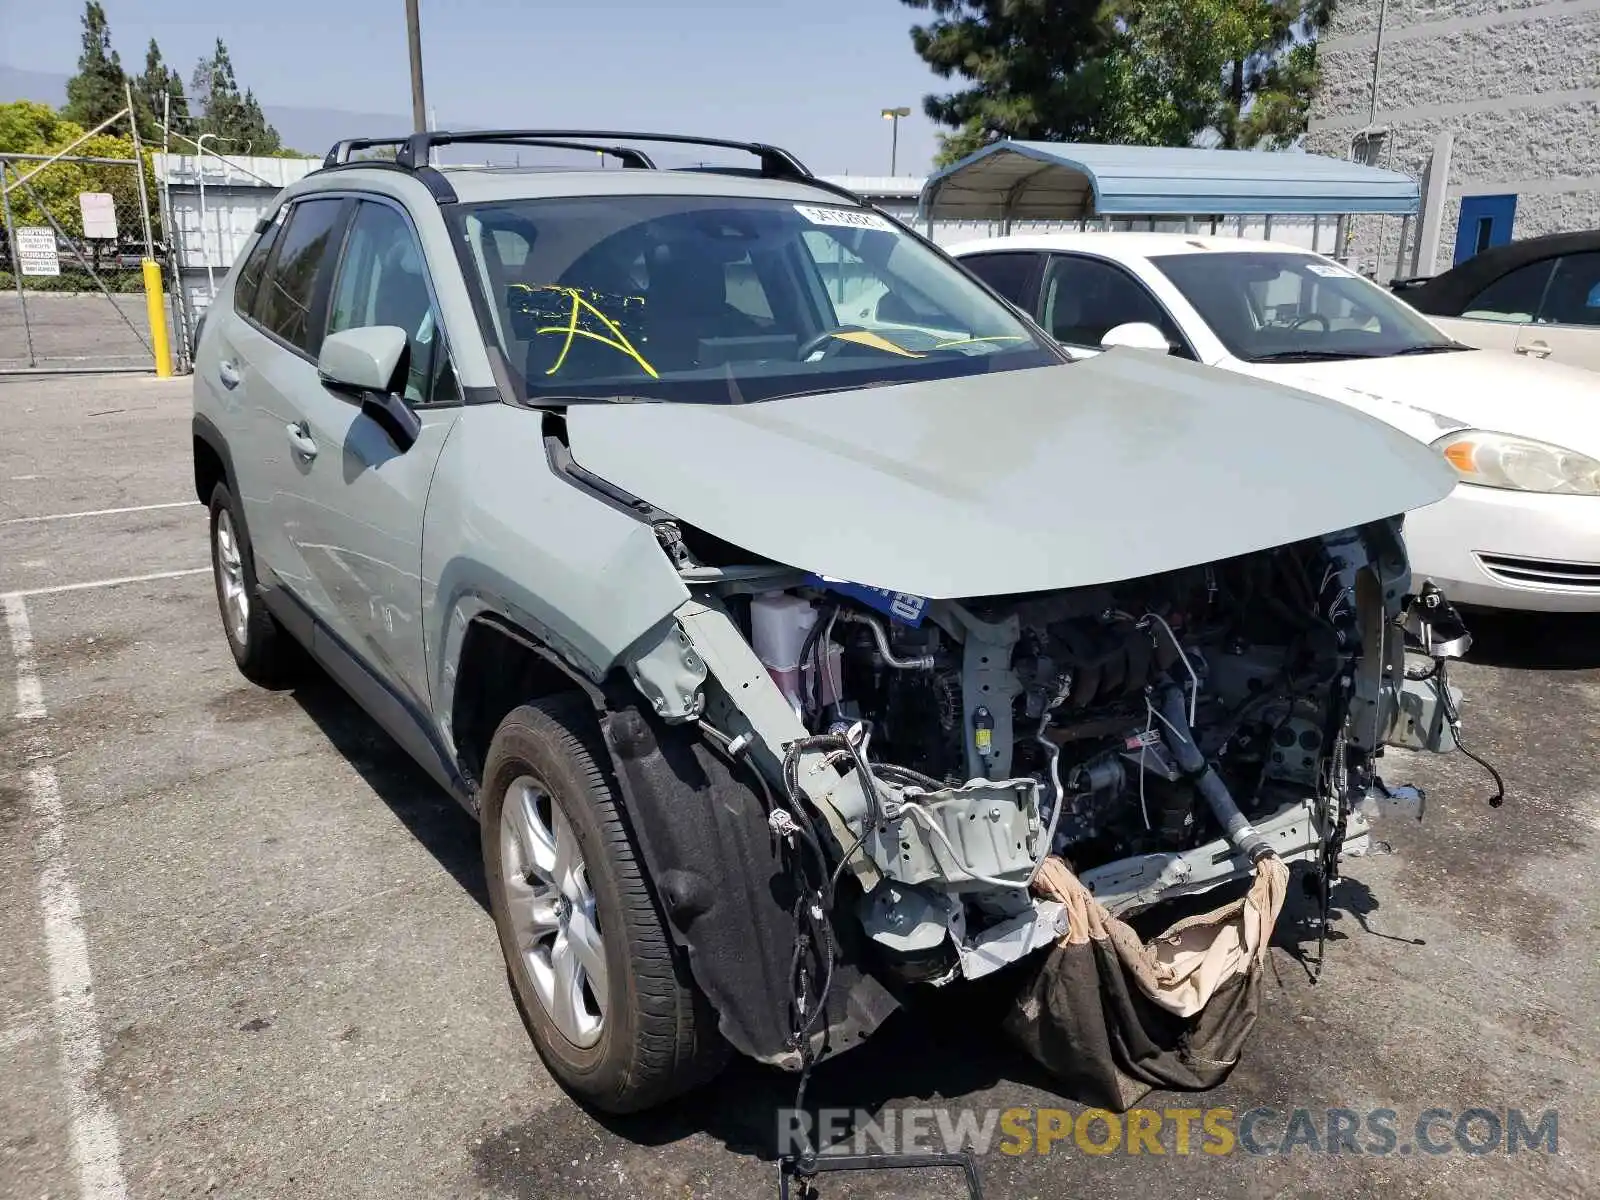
606	997
261	648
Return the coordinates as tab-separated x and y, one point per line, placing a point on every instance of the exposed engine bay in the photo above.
1160	734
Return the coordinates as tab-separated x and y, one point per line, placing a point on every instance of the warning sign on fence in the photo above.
99	215
36	250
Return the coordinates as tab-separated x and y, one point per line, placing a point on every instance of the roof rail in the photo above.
416	150
628	155
343	149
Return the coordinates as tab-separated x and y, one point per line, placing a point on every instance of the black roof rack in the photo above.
415	151
628	155
343	149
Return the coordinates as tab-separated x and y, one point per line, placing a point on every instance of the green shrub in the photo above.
117	282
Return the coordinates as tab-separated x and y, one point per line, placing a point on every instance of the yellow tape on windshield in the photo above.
617	341
865	337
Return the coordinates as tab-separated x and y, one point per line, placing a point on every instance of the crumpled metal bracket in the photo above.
804	1169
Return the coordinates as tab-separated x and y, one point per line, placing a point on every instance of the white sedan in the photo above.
1521	530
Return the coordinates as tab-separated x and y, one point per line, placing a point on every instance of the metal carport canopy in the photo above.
1054	181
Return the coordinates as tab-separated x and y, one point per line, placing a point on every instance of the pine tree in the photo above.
1143	72
263	138
153	92
215	92
1036	68
236	121
1284	75
96	92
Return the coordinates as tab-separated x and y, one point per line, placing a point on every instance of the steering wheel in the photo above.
827	342
1306	320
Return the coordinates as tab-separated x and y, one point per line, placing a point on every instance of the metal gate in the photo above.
77	231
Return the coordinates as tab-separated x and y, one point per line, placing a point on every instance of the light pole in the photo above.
200	162
894	115
419	111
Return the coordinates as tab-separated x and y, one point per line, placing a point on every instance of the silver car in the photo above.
778	596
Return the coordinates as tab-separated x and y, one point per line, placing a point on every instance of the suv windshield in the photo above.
1275	307
725	300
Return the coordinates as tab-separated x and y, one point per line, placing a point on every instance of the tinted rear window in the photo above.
1513	297
244	291
1010	273
1574	295
288	293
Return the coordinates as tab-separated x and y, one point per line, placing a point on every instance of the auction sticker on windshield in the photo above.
1327	272
848	218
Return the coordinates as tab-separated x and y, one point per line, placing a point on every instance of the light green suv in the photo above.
776	594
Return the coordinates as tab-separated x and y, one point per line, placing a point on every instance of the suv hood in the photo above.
1429	395
1021	481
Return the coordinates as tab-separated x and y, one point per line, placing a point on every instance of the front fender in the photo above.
503	533
204	429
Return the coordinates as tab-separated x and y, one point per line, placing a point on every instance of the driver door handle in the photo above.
1536	349
300	440
228	373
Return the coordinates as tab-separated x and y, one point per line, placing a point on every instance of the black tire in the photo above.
658	1034
264	651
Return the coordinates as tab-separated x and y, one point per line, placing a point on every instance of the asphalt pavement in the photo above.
247	952
74	330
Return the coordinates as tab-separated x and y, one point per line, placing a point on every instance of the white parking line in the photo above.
30	695
98	512
100	583
96	1145
11	1038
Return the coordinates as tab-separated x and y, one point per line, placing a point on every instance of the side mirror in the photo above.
361	360
394	416
363	363
1136	335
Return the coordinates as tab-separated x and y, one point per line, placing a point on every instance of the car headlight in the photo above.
1500	460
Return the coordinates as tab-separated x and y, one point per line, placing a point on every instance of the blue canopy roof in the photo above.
1043	181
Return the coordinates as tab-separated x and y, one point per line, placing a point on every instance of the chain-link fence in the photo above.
78	226
72	284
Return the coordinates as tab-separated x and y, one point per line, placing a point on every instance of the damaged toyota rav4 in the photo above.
776	595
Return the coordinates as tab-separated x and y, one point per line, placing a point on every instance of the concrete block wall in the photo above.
1516	81
1548	50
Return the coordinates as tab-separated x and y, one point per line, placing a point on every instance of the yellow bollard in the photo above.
155	306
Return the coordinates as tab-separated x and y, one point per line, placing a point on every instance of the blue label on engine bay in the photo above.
901	606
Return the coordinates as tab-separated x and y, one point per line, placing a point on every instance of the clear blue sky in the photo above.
810	75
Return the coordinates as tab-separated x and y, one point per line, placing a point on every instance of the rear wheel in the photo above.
606	997
261	648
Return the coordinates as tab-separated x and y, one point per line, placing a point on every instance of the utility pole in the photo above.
419	110
894	114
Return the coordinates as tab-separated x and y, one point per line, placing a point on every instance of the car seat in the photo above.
403	300
687	302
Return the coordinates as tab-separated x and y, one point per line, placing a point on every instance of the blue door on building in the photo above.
1485	221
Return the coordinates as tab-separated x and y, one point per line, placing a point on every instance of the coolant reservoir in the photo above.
779	626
